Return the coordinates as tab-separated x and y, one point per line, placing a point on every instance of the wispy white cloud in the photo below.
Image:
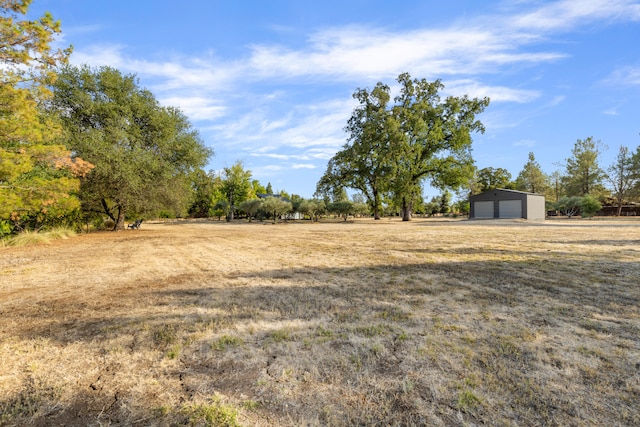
496	93
525	143
567	14
303	166
556	100
275	126
111	55
197	108
625	76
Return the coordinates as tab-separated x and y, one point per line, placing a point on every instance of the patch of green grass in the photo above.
394	314
174	352
226	341
373	330
215	414
164	336
467	399
250	405
279	335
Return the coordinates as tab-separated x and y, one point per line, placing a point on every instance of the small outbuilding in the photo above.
501	203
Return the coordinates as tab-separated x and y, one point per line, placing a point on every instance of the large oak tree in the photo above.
394	149
143	152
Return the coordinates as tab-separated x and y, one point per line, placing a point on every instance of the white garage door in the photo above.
510	208
483	209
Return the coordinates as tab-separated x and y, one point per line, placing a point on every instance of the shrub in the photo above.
589	205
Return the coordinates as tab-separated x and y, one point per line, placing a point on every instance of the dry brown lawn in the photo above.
359	323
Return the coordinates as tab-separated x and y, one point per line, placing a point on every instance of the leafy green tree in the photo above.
364	163
444	202
568	206
269	189
313	207
635	190
39	177
204	186
236	184
341	208
589	205
220	208
531	178
462	207
276	207
433	207
251	207
144	154
492	178
393	149
256	189
556	188
624	175
584	175
437	139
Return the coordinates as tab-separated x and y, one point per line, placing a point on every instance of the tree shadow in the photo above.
156	318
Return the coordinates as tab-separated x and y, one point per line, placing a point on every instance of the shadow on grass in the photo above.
371	302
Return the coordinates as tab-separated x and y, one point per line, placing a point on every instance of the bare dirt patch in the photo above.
359	323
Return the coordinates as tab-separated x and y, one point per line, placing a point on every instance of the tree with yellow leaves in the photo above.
38	175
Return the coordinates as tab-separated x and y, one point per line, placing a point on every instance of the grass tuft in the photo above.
30	238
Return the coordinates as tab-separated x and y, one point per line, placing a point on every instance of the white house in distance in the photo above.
501	203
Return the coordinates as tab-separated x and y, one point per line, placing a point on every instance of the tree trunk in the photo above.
406	210
619	206
120	222
376	205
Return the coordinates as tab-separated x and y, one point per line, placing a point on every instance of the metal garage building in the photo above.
502	203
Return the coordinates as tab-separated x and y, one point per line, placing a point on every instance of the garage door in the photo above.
483	209
510	208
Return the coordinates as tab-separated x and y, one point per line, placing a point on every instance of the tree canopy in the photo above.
531	178
143	153
584	175
624	175
236	185
393	149
492	178
38	176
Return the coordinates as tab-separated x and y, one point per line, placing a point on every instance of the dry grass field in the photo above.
437	323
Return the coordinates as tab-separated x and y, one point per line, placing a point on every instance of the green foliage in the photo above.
313	207
624	176
37	175
492	178
568	206
236	184
226	341
342	208
444	202
144	154
531	178
584	175
276	207
462	207
589	205
251	207
6	228
214	414
205	185
393	149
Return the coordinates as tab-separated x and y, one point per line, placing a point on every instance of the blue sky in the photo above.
270	82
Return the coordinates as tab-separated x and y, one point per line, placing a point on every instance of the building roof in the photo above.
511	191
